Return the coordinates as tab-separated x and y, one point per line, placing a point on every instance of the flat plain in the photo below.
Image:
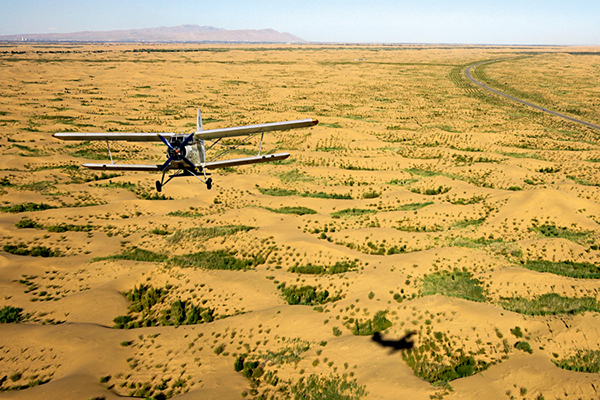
425	240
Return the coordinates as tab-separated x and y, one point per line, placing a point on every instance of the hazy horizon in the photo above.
430	21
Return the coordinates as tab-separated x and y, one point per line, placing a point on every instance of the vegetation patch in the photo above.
466	201
414	206
262	371
147	309
204	233
422	172
219	259
185	214
26	223
431	192
22	249
25	207
378	323
581	361
457	283
402	182
437	362
338	268
550	304
305	295
295	176
553	231
332	387
11	315
135	254
292	192
292	210
352	212
465	223
70	228
568	268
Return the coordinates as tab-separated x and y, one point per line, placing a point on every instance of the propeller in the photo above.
177	154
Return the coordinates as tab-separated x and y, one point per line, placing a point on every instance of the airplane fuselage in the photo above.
195	151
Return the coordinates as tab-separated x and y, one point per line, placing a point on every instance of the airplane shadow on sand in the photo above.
403	343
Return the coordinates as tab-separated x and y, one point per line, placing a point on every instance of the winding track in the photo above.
575	120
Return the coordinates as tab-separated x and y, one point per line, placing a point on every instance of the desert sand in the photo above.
461	226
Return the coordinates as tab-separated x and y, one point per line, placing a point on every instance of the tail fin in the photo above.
199	122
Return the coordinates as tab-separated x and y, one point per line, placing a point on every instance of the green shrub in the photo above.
239	364
516	331
305	295
10	315
27	223
524	346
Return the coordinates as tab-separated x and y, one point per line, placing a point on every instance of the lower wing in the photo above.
209	165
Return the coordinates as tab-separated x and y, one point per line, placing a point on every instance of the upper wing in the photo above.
251	129
199	135
129	136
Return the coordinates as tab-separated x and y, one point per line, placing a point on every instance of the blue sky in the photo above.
575	22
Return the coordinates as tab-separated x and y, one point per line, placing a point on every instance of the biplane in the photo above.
186	153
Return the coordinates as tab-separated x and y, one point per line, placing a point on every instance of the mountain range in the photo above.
182	33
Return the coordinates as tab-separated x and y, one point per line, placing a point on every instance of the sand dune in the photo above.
462	228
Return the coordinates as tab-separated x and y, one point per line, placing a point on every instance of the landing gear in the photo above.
183	172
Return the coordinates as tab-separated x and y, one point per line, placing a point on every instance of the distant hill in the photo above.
182	33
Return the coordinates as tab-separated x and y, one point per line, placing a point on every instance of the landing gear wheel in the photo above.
158	186
209	183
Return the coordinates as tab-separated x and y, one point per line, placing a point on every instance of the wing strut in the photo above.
109	153
261	140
